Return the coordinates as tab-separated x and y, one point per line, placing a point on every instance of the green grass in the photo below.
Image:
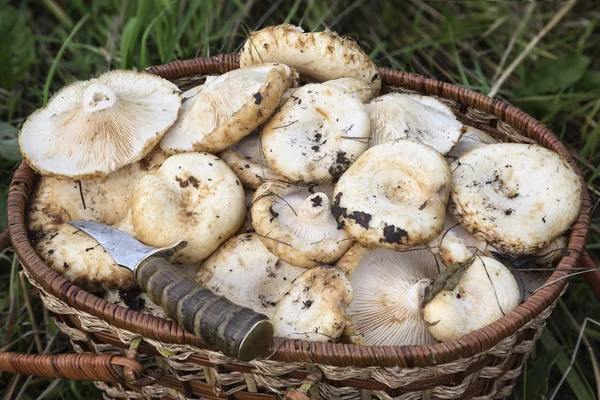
46	44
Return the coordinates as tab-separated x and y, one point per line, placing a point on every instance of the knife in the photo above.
220	324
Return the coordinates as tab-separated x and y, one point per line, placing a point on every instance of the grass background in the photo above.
45	44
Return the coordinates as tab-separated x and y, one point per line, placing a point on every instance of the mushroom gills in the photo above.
410	116
92	128
389	288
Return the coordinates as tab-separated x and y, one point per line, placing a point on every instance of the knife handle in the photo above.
220	324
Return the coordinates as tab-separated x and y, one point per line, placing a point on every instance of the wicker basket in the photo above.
168	363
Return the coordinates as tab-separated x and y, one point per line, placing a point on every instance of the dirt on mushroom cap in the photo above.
394	195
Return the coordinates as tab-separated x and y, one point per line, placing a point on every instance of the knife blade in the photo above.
219	323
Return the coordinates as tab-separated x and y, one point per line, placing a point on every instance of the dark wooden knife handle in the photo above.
220	324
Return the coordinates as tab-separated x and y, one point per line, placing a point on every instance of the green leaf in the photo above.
539	372
551	76
17	46
9	144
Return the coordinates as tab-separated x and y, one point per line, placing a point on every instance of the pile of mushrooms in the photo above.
304	194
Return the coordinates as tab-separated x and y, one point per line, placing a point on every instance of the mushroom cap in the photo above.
552	252
394	195
313	308
56	201
455	244
485	292
317	56
245	158
517	197
192	196
388	291
245	272
228	108
316	134
296	224
473	138
81	259
92	128
411	116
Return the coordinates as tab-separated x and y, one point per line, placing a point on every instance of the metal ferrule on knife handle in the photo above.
240	331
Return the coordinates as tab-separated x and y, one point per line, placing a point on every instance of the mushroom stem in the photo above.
416	294
314	206
98	97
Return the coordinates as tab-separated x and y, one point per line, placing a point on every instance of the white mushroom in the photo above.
313	309
56	201
79	258
517	197
318	56
228	108
389	288
454	243
394	195
192	196
484	293
316	134
472	139
245	272
359	89
410	116
245	158
296	224
92	128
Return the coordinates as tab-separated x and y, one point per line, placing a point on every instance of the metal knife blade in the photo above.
219	323
124	249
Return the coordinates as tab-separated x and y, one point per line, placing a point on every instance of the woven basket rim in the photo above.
289	350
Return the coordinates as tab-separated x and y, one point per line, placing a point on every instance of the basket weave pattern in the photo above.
481	365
